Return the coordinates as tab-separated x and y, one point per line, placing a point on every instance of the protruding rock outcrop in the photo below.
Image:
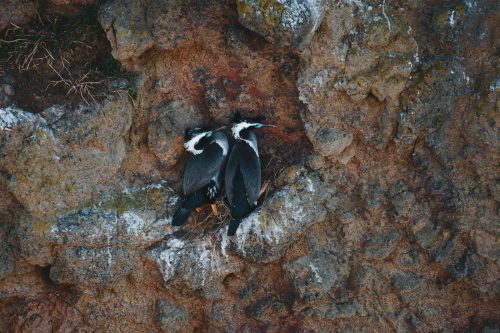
289	23
68	155
265	235
97	245
126	28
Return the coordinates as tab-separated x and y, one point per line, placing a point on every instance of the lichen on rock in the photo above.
193	267
99	237
69	156
288	23
265	235
126	29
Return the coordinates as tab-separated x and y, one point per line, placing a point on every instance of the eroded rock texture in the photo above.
17	13
380	210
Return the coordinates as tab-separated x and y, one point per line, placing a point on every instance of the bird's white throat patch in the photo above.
237	128
224	146
193	142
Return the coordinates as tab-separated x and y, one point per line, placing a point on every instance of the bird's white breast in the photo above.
236	129
252	144
193	142
224	145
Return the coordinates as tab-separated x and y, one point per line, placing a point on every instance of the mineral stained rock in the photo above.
125	26
69	155
379	206
170	316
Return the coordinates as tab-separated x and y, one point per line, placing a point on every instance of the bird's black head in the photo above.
195	140
190	133
238	118
241	124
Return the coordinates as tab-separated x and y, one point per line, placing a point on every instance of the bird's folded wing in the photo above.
202	168
243	157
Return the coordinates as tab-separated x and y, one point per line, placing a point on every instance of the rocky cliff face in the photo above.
381	211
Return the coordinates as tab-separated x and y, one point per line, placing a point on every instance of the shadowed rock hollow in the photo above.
381	209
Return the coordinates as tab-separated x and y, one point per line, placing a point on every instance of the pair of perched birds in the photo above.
203	173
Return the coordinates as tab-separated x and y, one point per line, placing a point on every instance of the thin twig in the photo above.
80	85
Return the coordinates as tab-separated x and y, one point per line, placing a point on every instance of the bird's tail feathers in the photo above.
180	216
233	226
191	202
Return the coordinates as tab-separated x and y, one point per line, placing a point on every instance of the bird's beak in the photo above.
264	125
220	128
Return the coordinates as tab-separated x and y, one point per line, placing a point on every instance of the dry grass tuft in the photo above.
81	85
29	48
207	221
62	59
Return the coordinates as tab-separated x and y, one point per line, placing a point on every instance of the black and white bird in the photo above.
203	173
243	174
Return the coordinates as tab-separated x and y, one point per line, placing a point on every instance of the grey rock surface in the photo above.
170	316
192	267
168	27
265	235
426	231
404	280
166	129
70	155
315	275
289	23
86	268
6	93
380	246
7	262
418	119
487	245
131	219
126	28
17	12
331	141
358	38
339	310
